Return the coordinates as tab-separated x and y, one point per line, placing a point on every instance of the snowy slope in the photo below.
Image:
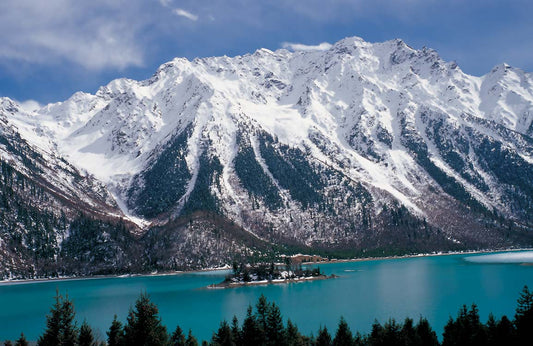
363	126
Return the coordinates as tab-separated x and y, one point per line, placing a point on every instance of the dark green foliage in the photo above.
178	338
53	332
416	145
21	341
292	170
261	315
343	336
394	333
252	176
60	326
235	331
96	246
14	144
511	170
500	332
426	336
466	329
323	338
360	340
454	148
165	182
268	271
201	197
390	332
251	333
8	343
144	325
408	332
29	228
275	333
293	336
523	318
86	337
115	334
384	136
191	340
224	336
68	325
265	327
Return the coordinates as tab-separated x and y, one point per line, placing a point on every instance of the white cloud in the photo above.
96	35
165	3
30	105
183	13
306	48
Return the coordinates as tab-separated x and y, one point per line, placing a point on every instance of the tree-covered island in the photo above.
271	273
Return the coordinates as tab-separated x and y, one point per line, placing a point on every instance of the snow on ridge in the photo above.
352	87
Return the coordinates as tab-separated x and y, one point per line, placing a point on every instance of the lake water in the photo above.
434	287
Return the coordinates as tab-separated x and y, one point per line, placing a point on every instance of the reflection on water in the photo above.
434	287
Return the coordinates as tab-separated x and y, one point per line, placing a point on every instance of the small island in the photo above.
270	273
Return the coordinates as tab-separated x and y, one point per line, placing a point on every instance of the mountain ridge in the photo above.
335	149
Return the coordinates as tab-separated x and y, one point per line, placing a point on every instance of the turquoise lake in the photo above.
434	287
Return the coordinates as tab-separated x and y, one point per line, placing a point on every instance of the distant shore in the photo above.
432	254
364	259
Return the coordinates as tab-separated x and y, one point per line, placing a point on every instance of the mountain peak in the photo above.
8	105
348	45
358	145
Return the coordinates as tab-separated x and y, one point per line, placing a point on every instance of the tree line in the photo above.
264	326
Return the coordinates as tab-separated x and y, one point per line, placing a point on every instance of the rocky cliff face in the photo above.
361	149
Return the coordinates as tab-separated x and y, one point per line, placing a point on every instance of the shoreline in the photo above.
363	259
108	276
452	253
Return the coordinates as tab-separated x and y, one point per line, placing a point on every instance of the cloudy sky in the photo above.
51	49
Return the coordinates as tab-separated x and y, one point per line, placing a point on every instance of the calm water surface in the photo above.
433	287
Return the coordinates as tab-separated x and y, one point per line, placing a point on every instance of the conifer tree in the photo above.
21	341
68	326
523	318
274	326
359	340
408	332
191	340
505	332
86	337
177	338
251	335
500	332
60	326
261	315
343	336
392	332
323	338
235	332
377	335
466	329
292	335
144	326
115	334
223	337
426	336
51	335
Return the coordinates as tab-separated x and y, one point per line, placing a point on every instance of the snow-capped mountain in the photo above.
362	148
